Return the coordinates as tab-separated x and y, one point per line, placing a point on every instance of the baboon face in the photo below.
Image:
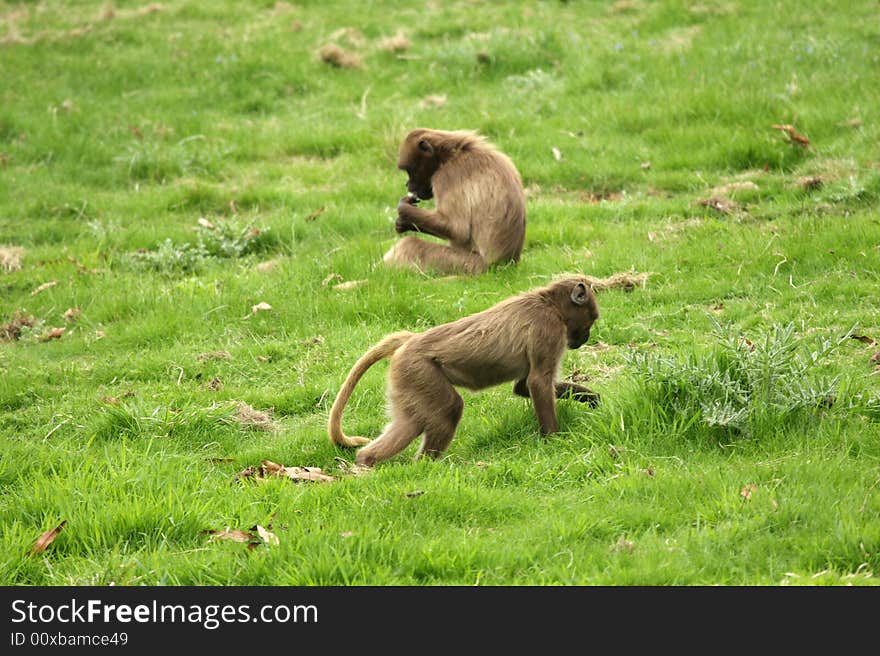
420	162
581	314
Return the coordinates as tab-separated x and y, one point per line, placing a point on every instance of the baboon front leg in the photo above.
425	255
543	395
411	217
397	435
564	390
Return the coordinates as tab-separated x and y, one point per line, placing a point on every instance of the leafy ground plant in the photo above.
743	383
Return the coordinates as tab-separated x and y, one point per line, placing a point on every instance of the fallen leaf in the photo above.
44	286
215	385
864	339
267	266
645	166
253	233
72	313
626	281
799	139
12	330
745	185
206	224
214	355
346	534
481	464
219	461
352	469
263	358
556	154
616	451
414	494
396	43
232	208
52	333
135	131
110	400
748	344
235	536
47	538
334	55
876	358
720	205
717	308
262	306
10	258
351	284
313	474
811	182
648	471
330	278
267	536
314	215
247	472
253	419
624	546
747	490
313	341
432	101
484	58
577	376
100	334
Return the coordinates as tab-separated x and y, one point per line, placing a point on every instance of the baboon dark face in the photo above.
420	162
582	314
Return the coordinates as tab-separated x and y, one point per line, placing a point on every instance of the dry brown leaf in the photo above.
314	474
577	376
351	284
253	419
648	471
110	400
433	100
71	314
44	286
52	333
314	215
100	334
332	54
47	538
10	258
262	306
267	536
313	341
215	385
214	355
12	330
151	8
811	182
721	205
330	278
247	472
206	224
219	461
414	494
267	266
747	490
396	43
876	358
557	155
346	534
235	536
350	468
799	139
864	339
625	281
624	546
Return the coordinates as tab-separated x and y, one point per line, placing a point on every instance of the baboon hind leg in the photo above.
426	255
440	429
397	435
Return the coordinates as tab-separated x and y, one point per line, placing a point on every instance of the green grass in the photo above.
118	134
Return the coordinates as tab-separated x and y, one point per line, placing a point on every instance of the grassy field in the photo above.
166	168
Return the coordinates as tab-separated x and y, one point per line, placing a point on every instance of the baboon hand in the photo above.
402	225
585	396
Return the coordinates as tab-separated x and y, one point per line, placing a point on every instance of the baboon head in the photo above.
579	311
420	160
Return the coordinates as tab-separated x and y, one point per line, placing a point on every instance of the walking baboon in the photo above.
522	338
480	204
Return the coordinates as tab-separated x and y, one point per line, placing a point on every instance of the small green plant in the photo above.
171	258
229	238
740	382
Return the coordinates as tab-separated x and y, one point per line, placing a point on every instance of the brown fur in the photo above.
480	203
522	339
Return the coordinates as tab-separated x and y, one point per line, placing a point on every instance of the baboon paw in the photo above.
402	225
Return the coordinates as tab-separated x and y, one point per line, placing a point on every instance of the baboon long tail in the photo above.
380	351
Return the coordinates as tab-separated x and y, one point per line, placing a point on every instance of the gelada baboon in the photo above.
522	339
480	204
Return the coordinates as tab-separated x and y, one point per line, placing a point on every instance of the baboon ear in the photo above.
579	294
425	147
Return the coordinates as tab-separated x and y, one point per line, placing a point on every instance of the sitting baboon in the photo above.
480	204
522	339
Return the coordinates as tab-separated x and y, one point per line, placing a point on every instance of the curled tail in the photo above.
380	351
